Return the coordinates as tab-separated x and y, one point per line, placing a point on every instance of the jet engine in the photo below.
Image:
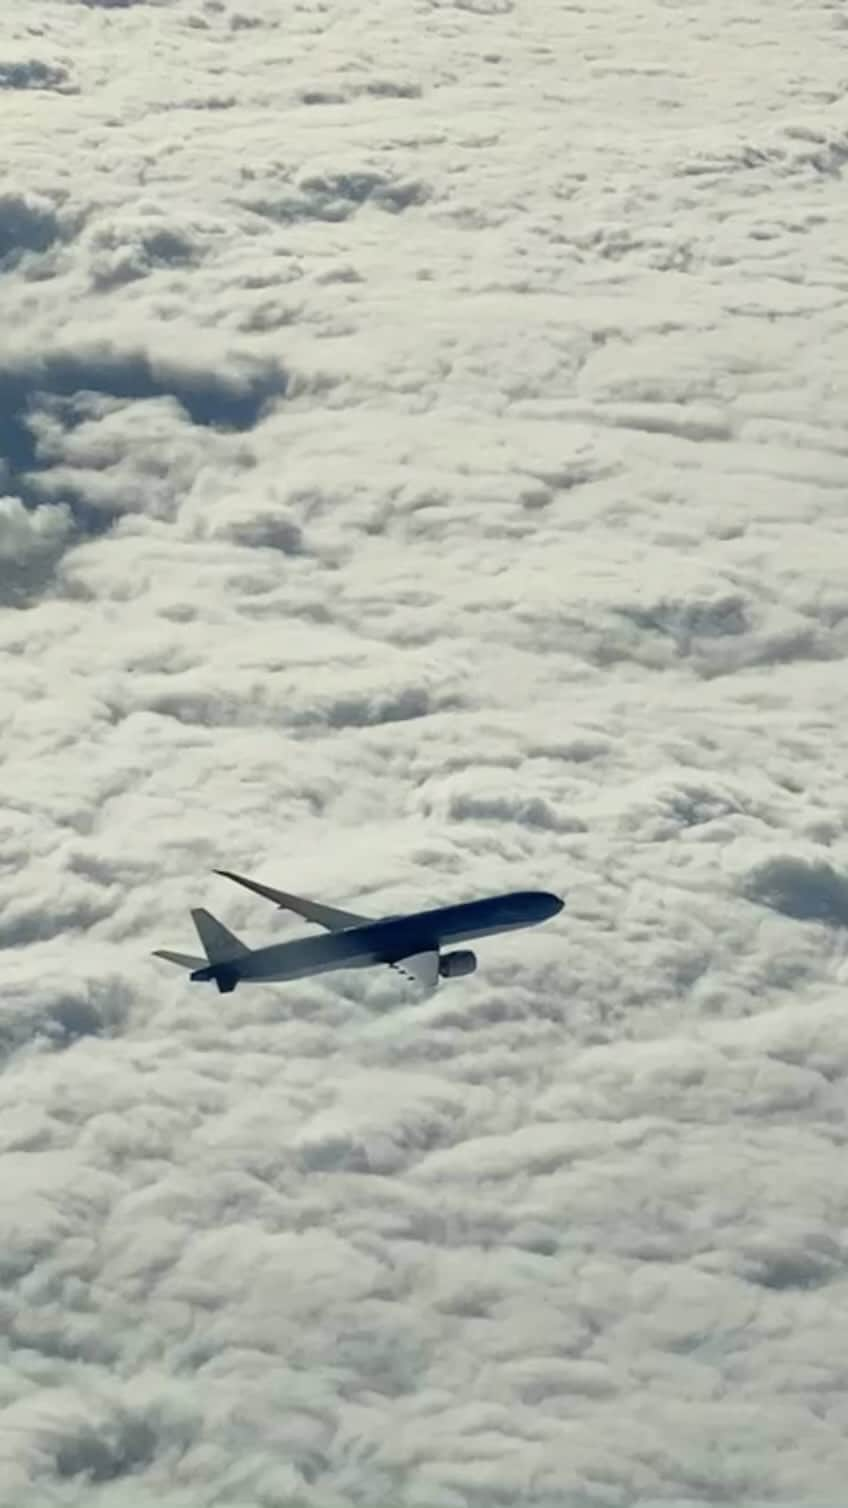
452	965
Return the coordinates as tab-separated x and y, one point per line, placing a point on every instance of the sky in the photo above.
422	474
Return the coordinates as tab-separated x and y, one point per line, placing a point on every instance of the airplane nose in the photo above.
552	904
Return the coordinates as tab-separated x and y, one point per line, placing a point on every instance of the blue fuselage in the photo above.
397	937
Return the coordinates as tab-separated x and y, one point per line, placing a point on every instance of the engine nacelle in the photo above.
453	965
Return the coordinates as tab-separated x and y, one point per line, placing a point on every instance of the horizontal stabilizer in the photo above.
221	945
184	960
329	917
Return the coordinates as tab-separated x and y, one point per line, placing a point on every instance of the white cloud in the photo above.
422	467
30	543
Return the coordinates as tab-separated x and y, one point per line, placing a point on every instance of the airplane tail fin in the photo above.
222	948
219	944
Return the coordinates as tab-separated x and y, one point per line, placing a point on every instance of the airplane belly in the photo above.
300	959
280	974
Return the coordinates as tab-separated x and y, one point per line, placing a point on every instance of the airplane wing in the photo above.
312	911
421	968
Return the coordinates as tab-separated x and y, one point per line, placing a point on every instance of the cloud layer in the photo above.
422	472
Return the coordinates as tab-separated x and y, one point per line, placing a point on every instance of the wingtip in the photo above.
230	874
238	879
255	887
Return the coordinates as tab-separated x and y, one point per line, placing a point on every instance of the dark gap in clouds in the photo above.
231	708
41	925
64	1022
323	97
688	621
805	889
71	1019
389	1364
115	4
102	1459
28	223
393	89
528	811
17	443
401	706
125	254
334	197
486	7
793	1270
209	399
33	73
64	1013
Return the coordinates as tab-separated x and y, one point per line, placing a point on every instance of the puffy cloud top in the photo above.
422	473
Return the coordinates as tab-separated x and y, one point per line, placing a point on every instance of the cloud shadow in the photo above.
807	890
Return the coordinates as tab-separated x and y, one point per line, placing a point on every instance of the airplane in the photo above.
412	945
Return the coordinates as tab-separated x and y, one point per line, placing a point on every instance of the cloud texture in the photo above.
422	472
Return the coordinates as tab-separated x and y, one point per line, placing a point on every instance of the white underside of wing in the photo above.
421	968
